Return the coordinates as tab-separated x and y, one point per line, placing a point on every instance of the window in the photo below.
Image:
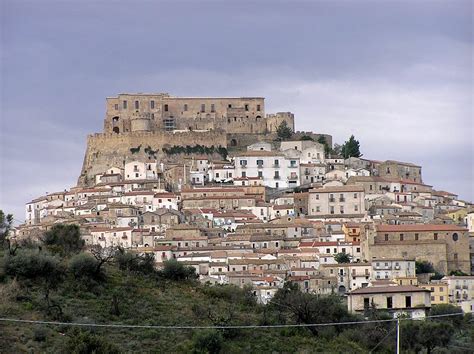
229	106
260	174
317	196
258	108
389	302
355	195
455	256
401	237
152	104
166	108
124	104
259	163
455	237
276	163
441	298
185	107
116	107
331	210
217	174
244	174
213	108
277	174
246	107
341	209
366	303
356	208
407	301
435	236
137	105
386	237
416	237
203	108
318	209
243	162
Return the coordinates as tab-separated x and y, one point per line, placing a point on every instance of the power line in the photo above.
15	320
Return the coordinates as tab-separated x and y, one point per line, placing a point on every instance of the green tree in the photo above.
327	148
174	270
64	239
422	267
84	266
306	138
342	258
309	308
336	150
458	273
351	148
284	132
32	267
419	335
6	221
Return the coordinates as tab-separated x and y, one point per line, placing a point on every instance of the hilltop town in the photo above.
219	185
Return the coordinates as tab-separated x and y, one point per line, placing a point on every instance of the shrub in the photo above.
81	342
84	266
144	264
64	239
208	342
174	270
33	265
422	267
40	334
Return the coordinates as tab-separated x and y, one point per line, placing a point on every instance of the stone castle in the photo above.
162	112
139	125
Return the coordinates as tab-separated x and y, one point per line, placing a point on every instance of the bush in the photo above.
174	270
40	334
422	267
33	265
64	239
208	342
144	264
81	342
84	266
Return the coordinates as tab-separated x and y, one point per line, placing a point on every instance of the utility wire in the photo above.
15	320
389	332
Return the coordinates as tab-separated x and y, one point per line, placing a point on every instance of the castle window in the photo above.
386	237
213	108
203	108
137	105
124	104
166	108
116	106
455	237
152	104
401	237
258	108
246	107
416	237
435	236
229	106
185	107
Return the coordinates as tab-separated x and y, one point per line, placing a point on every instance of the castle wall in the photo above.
106	150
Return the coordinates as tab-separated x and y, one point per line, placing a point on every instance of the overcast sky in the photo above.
396	74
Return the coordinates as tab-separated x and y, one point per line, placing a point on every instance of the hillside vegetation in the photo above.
58	281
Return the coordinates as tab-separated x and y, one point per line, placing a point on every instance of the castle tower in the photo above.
140	122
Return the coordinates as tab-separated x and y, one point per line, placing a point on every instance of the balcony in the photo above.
260	165
292	178
276	177
243	166
342	199
332	200
292	166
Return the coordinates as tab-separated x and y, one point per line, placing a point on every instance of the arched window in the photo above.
116	130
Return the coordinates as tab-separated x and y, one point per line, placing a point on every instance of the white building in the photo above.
140	170
276	170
